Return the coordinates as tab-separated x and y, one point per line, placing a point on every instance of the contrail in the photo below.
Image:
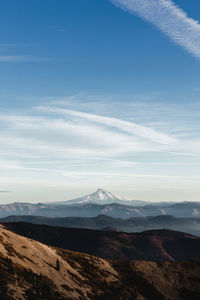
168	18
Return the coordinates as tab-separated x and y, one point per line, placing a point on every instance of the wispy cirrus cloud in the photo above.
68	145
169	18
125	126
16	53
21	58
15	58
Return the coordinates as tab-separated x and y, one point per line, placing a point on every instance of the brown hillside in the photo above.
31	270
156	245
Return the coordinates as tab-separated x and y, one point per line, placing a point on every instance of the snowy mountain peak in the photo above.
99	197
104	194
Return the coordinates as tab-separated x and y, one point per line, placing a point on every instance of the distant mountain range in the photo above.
183	210
102	202
103	222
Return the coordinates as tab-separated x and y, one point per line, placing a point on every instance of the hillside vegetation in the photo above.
31	270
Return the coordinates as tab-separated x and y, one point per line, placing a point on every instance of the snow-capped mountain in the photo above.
98	197
103	197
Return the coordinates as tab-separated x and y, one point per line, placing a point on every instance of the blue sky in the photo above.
99	93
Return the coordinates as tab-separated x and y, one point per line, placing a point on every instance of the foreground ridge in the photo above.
32	270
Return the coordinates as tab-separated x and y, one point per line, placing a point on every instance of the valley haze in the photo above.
103	209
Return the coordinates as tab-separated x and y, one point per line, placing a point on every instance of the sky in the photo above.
99	94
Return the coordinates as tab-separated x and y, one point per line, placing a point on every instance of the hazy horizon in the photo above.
76	195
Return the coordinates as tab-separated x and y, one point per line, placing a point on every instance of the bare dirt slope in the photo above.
45	260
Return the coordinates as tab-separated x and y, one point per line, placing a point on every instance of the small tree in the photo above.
57	265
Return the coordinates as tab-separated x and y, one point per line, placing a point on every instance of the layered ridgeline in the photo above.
103	222
32	270
102	202
156	245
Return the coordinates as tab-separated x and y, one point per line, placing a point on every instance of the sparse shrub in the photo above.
57	265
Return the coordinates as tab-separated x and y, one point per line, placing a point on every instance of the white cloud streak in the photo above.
16	58
125	126
21	58
168	18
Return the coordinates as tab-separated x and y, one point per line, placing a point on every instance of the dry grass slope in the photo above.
31	270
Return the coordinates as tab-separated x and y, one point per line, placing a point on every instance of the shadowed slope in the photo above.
160	245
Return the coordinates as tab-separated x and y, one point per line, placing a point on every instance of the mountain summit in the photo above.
99	197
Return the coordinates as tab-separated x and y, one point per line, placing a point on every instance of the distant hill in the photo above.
158	245
31	270
138	224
